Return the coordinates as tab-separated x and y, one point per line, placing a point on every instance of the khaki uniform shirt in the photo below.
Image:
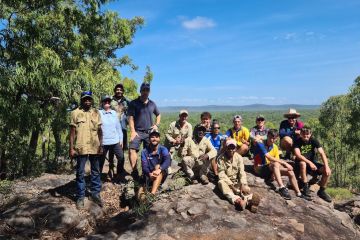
87	124
175	130
205	147
232	171
189	149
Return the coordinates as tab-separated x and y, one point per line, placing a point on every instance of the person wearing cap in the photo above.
140	113
155	161
232	177
267	163
305	149
205	120
112	137
289	131
120	104
258	133
178	131
205	152
85	143
240	134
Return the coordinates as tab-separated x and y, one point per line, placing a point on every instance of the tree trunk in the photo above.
32	150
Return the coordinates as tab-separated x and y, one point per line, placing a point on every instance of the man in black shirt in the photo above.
305	151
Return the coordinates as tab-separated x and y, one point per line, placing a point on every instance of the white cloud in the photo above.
198	23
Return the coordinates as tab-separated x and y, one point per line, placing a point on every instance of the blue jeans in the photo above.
95	175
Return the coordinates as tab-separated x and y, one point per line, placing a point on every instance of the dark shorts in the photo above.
308	169
264	171
141	138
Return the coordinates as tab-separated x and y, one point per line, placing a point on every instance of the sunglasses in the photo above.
216	127
231	147
290	118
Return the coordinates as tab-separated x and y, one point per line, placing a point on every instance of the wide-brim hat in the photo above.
292	113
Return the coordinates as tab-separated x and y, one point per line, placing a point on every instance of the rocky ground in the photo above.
44	208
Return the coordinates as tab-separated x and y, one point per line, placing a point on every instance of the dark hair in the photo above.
273	132
215	122
205	114
119	85
306	129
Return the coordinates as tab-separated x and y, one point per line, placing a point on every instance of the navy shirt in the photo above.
149	160
287	130
142	113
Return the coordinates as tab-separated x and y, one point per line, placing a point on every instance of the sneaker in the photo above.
284	192
204	180
80	203
323	195
306	190
97	199
307	198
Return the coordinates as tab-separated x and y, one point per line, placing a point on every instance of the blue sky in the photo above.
232	52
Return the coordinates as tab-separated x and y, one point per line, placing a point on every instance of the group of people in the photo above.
203	152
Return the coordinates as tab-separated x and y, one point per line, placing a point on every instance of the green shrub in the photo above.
5	186
339	193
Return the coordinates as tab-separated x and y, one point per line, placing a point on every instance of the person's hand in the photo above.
133	135
297	132
157	172
72	153
155	127
152	176
289	167
313	166
204	157
327	170
100	150
121	145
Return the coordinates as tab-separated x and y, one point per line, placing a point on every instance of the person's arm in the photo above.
242	174
245	140
222	174
210	150
144	164
72	151
166	160
300	157
252	134
190	131
169	134
119	131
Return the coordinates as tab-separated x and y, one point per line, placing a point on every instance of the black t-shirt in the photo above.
142	113
308	149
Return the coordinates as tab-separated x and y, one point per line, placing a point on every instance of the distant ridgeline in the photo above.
252	107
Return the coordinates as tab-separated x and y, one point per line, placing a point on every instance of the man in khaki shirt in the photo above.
177	132
232	177
204	152
85	132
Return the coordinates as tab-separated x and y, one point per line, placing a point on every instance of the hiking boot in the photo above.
80	203
306	190
204	180
314	180
323	195
307	198
284	192
97	199
240	204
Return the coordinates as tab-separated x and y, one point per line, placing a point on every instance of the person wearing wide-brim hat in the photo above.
290	130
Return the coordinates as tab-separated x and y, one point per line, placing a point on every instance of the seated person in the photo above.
306	162
240	134
216	139
289	131
178	131
258	133
232	177
205	152
267	163
155	161
205	119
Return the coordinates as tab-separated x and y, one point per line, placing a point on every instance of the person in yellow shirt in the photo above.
240	134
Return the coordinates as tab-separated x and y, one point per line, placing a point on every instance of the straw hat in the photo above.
292	113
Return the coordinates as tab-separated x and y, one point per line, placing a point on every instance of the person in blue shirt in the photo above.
216	138
112	137
155	161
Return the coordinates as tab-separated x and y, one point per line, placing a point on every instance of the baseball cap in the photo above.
260	116
154	132
105	97
237	117
86	94
230	141
144	86
183	111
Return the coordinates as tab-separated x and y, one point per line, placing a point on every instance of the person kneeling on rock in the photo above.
155	161
232	177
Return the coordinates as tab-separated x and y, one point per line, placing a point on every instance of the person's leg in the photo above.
80	176
125	141
227	191
214	166
134	147
95	175
303	171
111	161
120	159
292	178
286	143
103	157
243	149
275	168
323	182
204	169
187	165
156	183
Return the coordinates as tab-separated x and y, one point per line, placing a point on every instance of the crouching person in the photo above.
232	177
155	161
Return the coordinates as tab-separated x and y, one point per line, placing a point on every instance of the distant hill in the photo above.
252	107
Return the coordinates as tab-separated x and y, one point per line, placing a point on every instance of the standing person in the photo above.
240	134
289	131
155	161
112	137
306	162
141	123
267	163
216	138
199	167
85	143
178	131
258	133
232	177
205	119
120	104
